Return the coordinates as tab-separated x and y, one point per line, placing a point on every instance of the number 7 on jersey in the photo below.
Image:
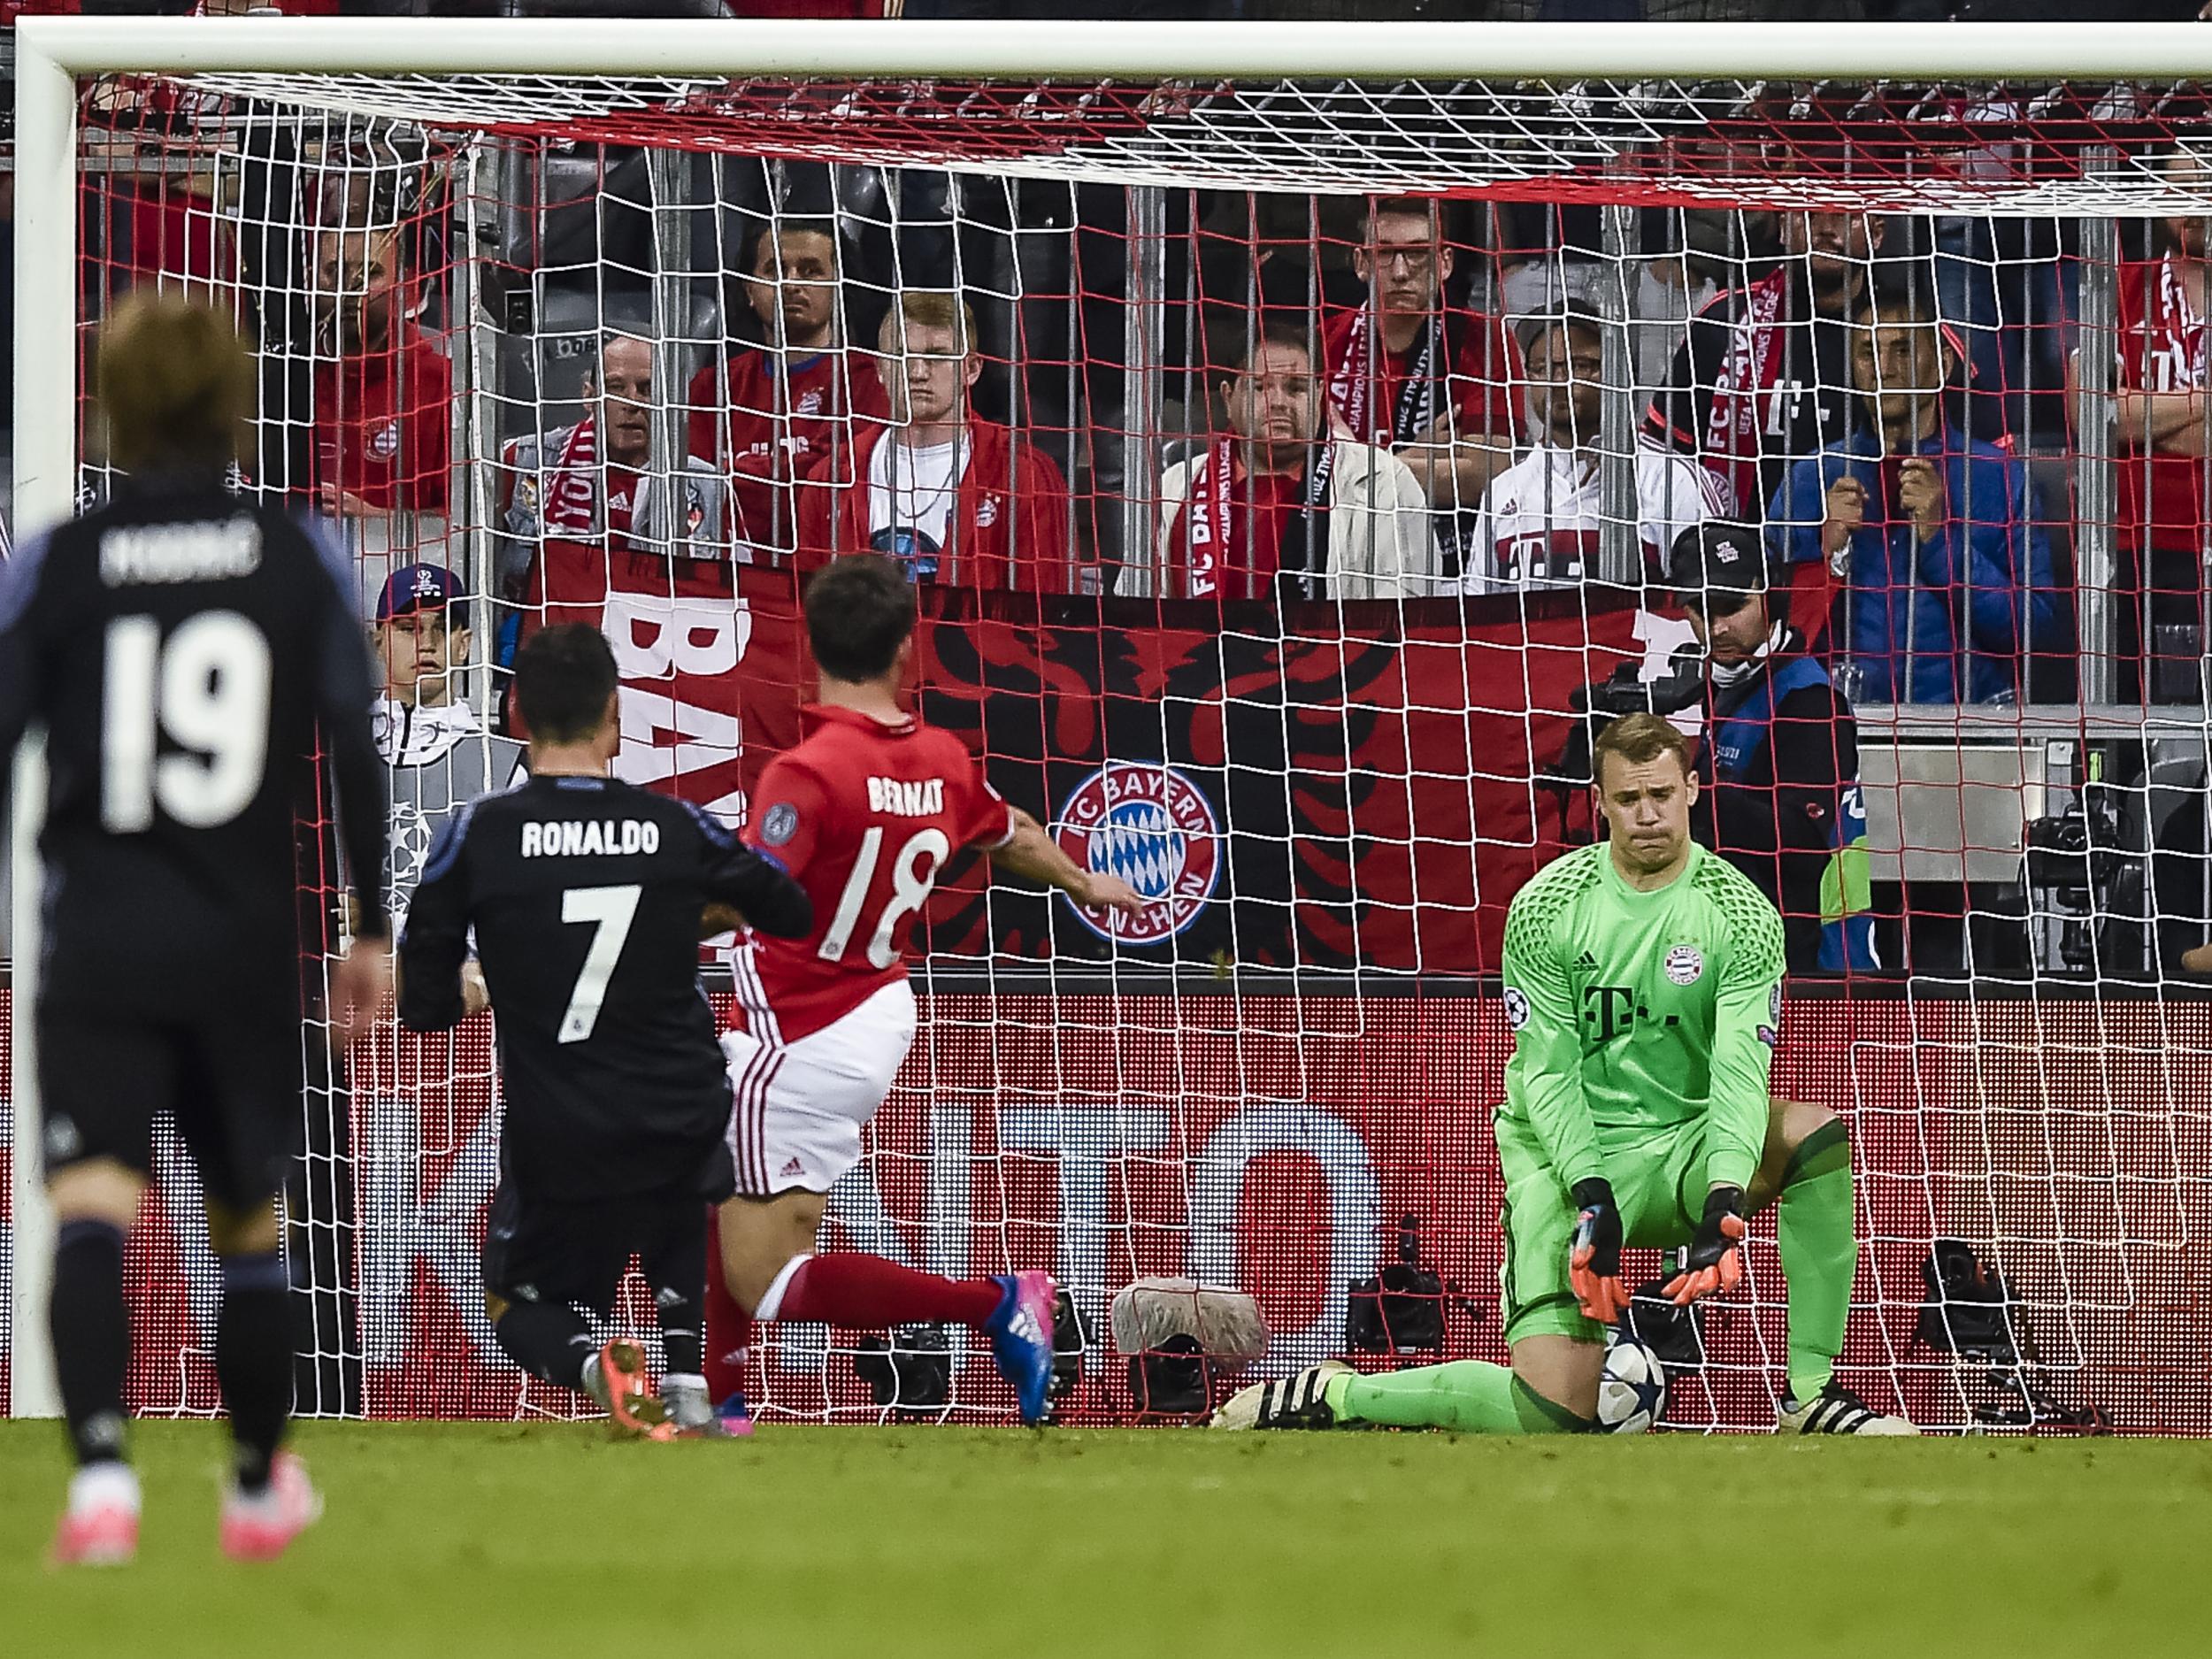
613	910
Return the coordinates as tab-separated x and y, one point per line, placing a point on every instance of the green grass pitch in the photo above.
462	1542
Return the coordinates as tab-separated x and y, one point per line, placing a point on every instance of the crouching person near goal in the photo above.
584	894
864	812
1643	982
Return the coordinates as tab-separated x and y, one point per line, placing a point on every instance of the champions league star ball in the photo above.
1632	1389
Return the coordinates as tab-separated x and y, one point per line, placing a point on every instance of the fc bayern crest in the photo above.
1153	827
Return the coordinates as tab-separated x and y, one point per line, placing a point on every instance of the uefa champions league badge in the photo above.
1515	1007
1683	964
1153	827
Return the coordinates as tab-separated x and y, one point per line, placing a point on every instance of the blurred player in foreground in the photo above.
865	811
181	646
585	895
1643	982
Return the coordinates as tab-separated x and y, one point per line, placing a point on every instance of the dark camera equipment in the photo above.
1171	1381
1401	1310
1626	691
1674	1333
1971	1311
910	1371
1623	691
1070	1335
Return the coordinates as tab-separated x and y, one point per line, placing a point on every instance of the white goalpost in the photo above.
1335	817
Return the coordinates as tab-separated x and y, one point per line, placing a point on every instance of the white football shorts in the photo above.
798	1108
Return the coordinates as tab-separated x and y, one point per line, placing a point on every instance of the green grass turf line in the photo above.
481	1541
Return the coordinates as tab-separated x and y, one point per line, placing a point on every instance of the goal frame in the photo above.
53	53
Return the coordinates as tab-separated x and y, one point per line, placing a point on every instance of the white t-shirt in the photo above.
914	489
1540	518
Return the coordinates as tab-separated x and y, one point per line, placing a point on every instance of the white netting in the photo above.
1880	147
640	352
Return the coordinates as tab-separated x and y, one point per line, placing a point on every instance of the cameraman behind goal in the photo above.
1643	982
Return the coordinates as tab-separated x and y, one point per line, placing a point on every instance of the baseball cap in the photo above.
413	587
1718	558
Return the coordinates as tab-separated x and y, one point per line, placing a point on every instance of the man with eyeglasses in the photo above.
1407	372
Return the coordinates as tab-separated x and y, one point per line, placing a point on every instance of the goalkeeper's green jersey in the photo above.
1634	1011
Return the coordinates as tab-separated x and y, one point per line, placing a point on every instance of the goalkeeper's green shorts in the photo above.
1658	1178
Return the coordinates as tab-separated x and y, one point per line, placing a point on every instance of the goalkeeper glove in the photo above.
1593	1260
1716	1254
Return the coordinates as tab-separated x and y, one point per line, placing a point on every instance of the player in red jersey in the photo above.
864	812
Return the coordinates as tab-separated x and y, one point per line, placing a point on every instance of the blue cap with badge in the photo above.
414	588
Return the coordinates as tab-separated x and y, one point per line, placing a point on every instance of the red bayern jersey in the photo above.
784	414
383	424
862	815
1388	397
2162	350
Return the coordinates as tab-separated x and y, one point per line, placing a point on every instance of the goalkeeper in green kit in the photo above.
1643	982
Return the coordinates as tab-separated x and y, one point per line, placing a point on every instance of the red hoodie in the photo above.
1010	519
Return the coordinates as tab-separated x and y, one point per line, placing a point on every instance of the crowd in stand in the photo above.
1373	437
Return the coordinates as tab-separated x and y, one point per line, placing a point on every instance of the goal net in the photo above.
1287	463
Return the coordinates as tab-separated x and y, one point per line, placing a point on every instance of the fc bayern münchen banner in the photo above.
1318	786
1312	785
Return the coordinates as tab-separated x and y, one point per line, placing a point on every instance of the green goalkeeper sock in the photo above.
1471	1395
1820	1254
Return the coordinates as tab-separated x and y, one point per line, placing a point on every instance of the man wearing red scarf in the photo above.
1764	376
769	412
955	497
1409	373
645	559
1277	507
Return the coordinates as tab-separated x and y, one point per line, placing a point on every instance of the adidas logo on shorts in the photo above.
792	1167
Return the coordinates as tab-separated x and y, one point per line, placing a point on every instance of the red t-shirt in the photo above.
384	424
780	427
2162	350
863	816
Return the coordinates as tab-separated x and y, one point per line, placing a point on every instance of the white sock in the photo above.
772	1300
105	1485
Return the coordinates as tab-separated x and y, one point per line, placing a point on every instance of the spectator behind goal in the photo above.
1542	523
1933	540
1275	506
585	511
769	412
957	499
1415	374
383	390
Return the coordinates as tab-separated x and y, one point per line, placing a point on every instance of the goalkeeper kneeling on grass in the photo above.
1643	981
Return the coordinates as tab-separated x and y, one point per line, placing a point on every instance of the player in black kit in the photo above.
180	647
587	896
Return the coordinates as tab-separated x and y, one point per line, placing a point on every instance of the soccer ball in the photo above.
1632	1389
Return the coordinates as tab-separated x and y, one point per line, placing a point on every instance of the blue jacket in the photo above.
1782	802
1979	591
